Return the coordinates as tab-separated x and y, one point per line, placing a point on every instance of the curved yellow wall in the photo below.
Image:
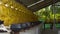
12	12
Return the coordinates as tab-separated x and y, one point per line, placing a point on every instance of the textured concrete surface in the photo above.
49	32
4	33
34	30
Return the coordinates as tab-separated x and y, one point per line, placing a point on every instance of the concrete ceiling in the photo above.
35	5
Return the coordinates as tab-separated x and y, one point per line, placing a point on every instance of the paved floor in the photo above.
43	32
4	33
49	32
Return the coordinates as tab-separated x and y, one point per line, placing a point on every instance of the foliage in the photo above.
47	13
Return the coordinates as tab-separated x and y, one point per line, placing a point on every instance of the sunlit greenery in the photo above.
46	14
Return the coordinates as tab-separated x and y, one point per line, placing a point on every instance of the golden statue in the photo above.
12	12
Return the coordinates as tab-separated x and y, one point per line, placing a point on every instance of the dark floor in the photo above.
49	32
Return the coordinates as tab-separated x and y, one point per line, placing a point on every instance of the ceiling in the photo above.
35	5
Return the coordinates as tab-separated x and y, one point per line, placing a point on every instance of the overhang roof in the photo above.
35	5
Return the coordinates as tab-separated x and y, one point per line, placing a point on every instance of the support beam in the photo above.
39	4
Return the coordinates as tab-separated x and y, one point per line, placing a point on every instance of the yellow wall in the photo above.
11	16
